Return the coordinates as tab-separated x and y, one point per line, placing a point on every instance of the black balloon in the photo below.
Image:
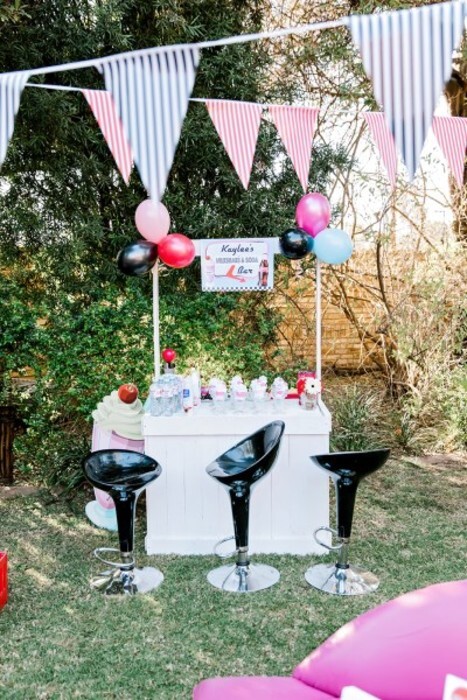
137	258
294	243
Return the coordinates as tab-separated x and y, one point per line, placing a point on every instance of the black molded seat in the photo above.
120	470
346	469
124	474
239	470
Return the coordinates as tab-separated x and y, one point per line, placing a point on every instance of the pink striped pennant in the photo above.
296	127
384	141
237	124
103	107
451	134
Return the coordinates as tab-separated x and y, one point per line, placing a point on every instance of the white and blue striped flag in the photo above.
11	87
408	56
151	93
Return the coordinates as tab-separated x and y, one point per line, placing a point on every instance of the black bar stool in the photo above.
124	474
346	469
239	470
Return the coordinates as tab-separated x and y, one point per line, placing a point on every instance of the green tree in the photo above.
65	214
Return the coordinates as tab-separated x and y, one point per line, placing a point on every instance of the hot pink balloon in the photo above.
313	213
152	220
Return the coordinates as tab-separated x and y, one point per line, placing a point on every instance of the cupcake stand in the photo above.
187	512
101	511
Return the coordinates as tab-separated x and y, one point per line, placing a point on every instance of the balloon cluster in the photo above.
153	222
330	245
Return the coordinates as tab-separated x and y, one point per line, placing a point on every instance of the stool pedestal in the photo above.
238	470
244	578
346	470
341	578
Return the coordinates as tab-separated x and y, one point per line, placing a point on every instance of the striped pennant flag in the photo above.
384	142
11	87
296	127
151	94
451	134
103	108
408	56
237	124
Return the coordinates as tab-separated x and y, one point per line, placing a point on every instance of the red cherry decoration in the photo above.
128	393
169	355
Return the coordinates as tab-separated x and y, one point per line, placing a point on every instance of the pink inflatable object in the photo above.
313	213
108	440
401	650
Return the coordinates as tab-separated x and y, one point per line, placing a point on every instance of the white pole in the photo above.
318	319
155	314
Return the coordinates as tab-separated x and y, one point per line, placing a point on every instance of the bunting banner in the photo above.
11	87
384	142
103	108
408	56
237	124
451	134
151	94
296	127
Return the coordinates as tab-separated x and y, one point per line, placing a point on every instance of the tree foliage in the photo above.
70	316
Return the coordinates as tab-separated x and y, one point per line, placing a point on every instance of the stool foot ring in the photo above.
353	580
121	564
243	579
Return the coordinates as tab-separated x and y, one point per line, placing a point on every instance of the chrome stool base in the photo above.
243	579
330	578
128	582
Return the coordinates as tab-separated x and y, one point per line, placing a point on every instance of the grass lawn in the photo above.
59	639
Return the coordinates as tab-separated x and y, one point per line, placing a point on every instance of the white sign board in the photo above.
237	264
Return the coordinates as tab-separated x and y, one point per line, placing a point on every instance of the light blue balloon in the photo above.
332	246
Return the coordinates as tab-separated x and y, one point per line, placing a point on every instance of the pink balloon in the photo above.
177	250
313	213
152	220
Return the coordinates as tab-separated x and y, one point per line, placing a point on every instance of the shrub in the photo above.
87	351
356	417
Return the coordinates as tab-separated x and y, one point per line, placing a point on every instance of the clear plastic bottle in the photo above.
175	381
166	396
196	384
188	398
155	407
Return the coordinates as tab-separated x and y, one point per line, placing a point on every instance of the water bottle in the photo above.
175	382
155	398
166	396
196	384
188	399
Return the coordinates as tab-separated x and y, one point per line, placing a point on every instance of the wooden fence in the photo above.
9	425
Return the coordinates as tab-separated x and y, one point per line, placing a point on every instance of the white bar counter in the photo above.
188	511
